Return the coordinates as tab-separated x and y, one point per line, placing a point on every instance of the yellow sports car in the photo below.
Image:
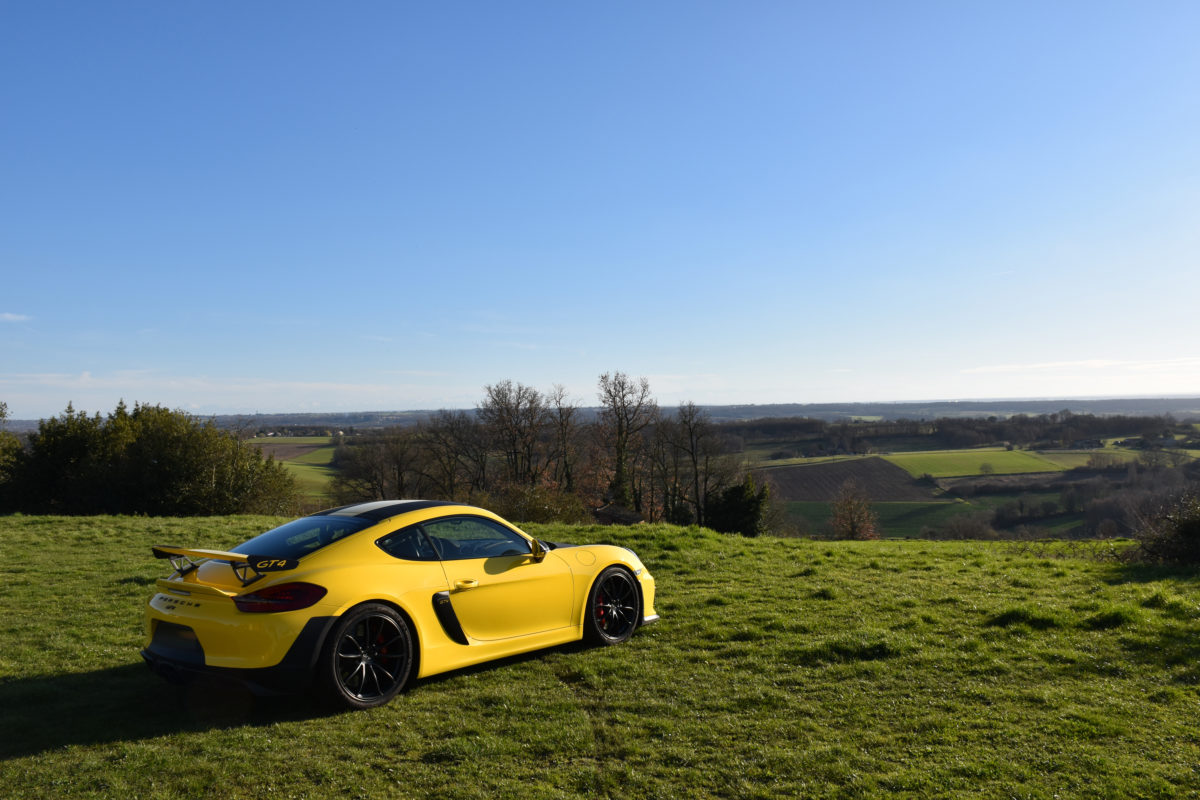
358	600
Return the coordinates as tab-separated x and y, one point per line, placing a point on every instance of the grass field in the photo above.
307	458
1070	459
312	472
781	668
896	519
956	463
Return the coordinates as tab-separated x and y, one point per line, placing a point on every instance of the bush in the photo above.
1173	535
522	503
147	461
851	514
972	525
739	509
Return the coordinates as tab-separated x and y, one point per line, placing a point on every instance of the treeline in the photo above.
1109	503
150	460
813	437
532	456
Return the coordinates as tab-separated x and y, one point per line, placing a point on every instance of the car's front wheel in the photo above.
368	657
613	607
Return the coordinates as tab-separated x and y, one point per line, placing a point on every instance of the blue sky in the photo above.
267	206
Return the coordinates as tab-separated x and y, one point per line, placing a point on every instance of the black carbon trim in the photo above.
445	614
176	643
303	653
294	673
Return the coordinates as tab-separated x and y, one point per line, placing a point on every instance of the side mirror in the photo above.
539	552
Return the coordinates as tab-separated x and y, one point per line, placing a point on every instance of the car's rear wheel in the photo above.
613	607
368	657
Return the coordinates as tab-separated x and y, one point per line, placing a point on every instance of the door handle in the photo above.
466	584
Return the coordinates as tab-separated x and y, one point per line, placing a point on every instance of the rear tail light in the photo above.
284	597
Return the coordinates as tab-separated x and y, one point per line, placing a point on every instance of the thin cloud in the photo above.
1155	365
7	317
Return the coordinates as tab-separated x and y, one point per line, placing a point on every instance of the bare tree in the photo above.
456	454
381	466
669	472
516	417
852	515
627	408
564	438
691	461
711	467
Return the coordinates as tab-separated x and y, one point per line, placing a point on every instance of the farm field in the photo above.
1073	459
781	668
882	480
896	519
954	463
308	458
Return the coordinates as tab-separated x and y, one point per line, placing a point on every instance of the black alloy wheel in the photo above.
368	657
613	607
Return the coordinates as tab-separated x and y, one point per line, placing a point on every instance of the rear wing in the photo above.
247	568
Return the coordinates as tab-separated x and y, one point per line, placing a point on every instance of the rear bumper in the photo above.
178	658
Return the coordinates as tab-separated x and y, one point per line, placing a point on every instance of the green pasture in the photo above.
905	520
780	668
312	478
312	470
958	463
896	519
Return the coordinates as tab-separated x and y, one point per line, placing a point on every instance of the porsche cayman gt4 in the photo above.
358	601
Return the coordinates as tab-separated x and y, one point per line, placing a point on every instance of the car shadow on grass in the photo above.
129	703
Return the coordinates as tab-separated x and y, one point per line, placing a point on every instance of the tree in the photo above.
59	472
691	462
1172	534
10	450
564	439
455	461
382	466
740	509
516	416
852	515
627	408
146	461
711	466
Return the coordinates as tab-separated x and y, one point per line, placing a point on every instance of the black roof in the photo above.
380	510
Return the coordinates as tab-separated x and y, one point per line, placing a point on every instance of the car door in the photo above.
497	590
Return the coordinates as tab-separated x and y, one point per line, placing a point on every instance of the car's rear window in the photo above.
303	536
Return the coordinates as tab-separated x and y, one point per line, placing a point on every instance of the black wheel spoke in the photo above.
371	659
614	606
359	671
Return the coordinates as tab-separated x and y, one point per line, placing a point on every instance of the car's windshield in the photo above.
301	537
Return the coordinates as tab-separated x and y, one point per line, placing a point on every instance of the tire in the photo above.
613	608
367	658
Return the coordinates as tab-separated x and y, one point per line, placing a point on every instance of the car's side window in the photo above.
460	538
409	543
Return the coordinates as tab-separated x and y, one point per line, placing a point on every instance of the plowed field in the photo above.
882	481
288	450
